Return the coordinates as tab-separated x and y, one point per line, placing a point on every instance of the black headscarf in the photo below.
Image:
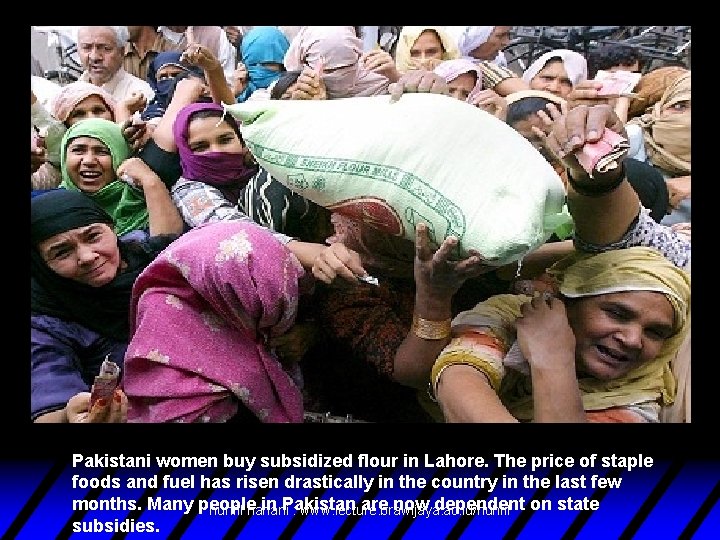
102	309
649	183
165	89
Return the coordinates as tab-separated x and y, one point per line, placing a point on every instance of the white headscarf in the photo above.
469	38
575	65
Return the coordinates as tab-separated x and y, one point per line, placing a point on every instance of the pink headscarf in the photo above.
71	94
452	69
226	171
202	314
340	49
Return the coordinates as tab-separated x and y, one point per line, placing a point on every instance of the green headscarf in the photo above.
124	203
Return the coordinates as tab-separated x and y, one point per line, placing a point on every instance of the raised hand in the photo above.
435	273
491	102
542	330
380	61
578	126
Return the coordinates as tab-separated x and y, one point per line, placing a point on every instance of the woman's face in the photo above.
427	51
208	135
679	107
618	332
89	164
168	71
498	40
91	107
553	78
461	86
88	255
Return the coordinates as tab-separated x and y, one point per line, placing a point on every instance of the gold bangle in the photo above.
433	330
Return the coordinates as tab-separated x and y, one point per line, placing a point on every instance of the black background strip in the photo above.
299	517
651	501
244	517
35	499
204	494
519	524
465	519
350	522
78	515
143	499
701	514
424	495
583	516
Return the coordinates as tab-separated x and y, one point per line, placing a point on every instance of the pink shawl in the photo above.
202	314
340	49
452	69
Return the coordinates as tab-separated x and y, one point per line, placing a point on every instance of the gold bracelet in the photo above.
433	330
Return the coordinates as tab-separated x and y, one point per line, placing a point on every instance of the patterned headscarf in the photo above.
452	69
221	291
667	136
65	101
261	45
651	87
340	50
123	202
575	65
408	37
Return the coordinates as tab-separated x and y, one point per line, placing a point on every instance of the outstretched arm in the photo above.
436	280
603	207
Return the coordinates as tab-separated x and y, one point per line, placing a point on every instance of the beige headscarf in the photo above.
581	274
408	37
71	94
667	136
575	65
339	50
651	87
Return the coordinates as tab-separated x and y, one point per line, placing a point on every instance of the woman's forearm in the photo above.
556	394
604	219
415	356
164	217
465	395
219	87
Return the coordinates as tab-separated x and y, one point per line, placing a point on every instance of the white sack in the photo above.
425	157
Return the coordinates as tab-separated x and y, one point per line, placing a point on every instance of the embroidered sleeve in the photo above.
201	203
644	231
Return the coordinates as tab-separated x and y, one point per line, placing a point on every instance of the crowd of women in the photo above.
159	243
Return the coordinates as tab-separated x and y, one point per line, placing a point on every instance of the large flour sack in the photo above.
424	158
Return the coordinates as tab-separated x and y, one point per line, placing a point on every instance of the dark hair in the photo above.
285	81
611	55
525	107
